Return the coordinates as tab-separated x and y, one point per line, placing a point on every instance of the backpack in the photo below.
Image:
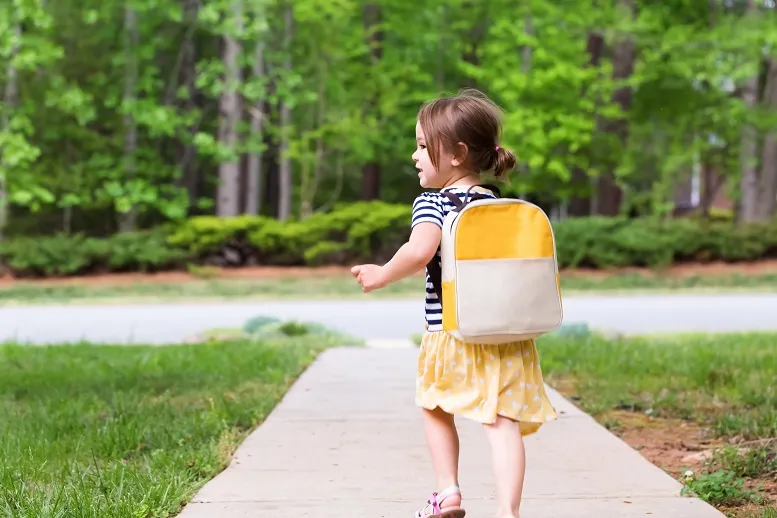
499	279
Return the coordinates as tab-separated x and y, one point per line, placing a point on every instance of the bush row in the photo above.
363	231
599	242
370	231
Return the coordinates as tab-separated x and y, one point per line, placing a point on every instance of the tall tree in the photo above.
128	219
748	209
284	171
581	202
609	194
230	115
768	176
253	196
371	169
10	101
190	175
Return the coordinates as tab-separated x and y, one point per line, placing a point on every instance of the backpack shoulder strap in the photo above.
454	199
471	196
481	196
493	188
435	276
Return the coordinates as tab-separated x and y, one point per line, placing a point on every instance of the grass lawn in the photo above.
132	431
337	285
702	403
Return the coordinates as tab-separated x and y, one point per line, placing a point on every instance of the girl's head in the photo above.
459	136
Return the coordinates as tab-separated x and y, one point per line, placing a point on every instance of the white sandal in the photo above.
432	508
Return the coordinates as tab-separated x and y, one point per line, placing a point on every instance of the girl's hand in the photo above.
370	276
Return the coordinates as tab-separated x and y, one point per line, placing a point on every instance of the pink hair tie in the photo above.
497	148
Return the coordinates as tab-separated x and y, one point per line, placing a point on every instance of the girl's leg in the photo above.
443	441
509	461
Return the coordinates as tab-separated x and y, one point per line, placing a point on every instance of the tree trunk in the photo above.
253	201
609	194
285	184
439	76
230	113
309	186
748	166
710	185
527	53
768	187
128	220
11	100
580	204
748	203
271	187
190	178
371	170
474	37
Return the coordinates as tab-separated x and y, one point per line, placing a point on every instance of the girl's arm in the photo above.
415	254
409	259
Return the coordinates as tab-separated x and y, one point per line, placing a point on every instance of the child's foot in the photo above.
452	500
445	504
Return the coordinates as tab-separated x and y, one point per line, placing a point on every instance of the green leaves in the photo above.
354	84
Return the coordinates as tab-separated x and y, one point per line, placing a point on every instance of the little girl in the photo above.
498	386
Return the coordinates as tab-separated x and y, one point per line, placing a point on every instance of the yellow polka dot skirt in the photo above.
480	382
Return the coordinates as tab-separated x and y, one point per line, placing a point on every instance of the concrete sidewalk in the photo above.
347	441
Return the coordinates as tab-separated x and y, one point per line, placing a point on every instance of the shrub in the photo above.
63	255
597	242
143	251
372	232
223	240
585	242
52	256
351	232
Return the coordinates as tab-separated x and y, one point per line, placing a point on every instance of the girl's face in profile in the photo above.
429	177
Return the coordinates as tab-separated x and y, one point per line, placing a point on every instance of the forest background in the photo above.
133	132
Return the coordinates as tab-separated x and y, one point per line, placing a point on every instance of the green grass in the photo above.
322	287
336	286
131	431
725	383
768	512
657	282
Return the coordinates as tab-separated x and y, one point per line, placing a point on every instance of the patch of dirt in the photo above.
744	511
273	272
767	489
672	444
676	446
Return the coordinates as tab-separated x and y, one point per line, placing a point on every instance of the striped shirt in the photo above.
432	207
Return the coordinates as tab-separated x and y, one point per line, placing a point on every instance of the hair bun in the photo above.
504	161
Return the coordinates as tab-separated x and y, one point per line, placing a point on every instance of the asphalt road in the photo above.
370	318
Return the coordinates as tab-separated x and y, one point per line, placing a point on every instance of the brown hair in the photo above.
470	118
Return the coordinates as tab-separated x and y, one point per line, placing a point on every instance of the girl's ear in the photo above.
459	155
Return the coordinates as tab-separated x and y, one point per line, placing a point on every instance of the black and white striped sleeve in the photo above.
427	209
